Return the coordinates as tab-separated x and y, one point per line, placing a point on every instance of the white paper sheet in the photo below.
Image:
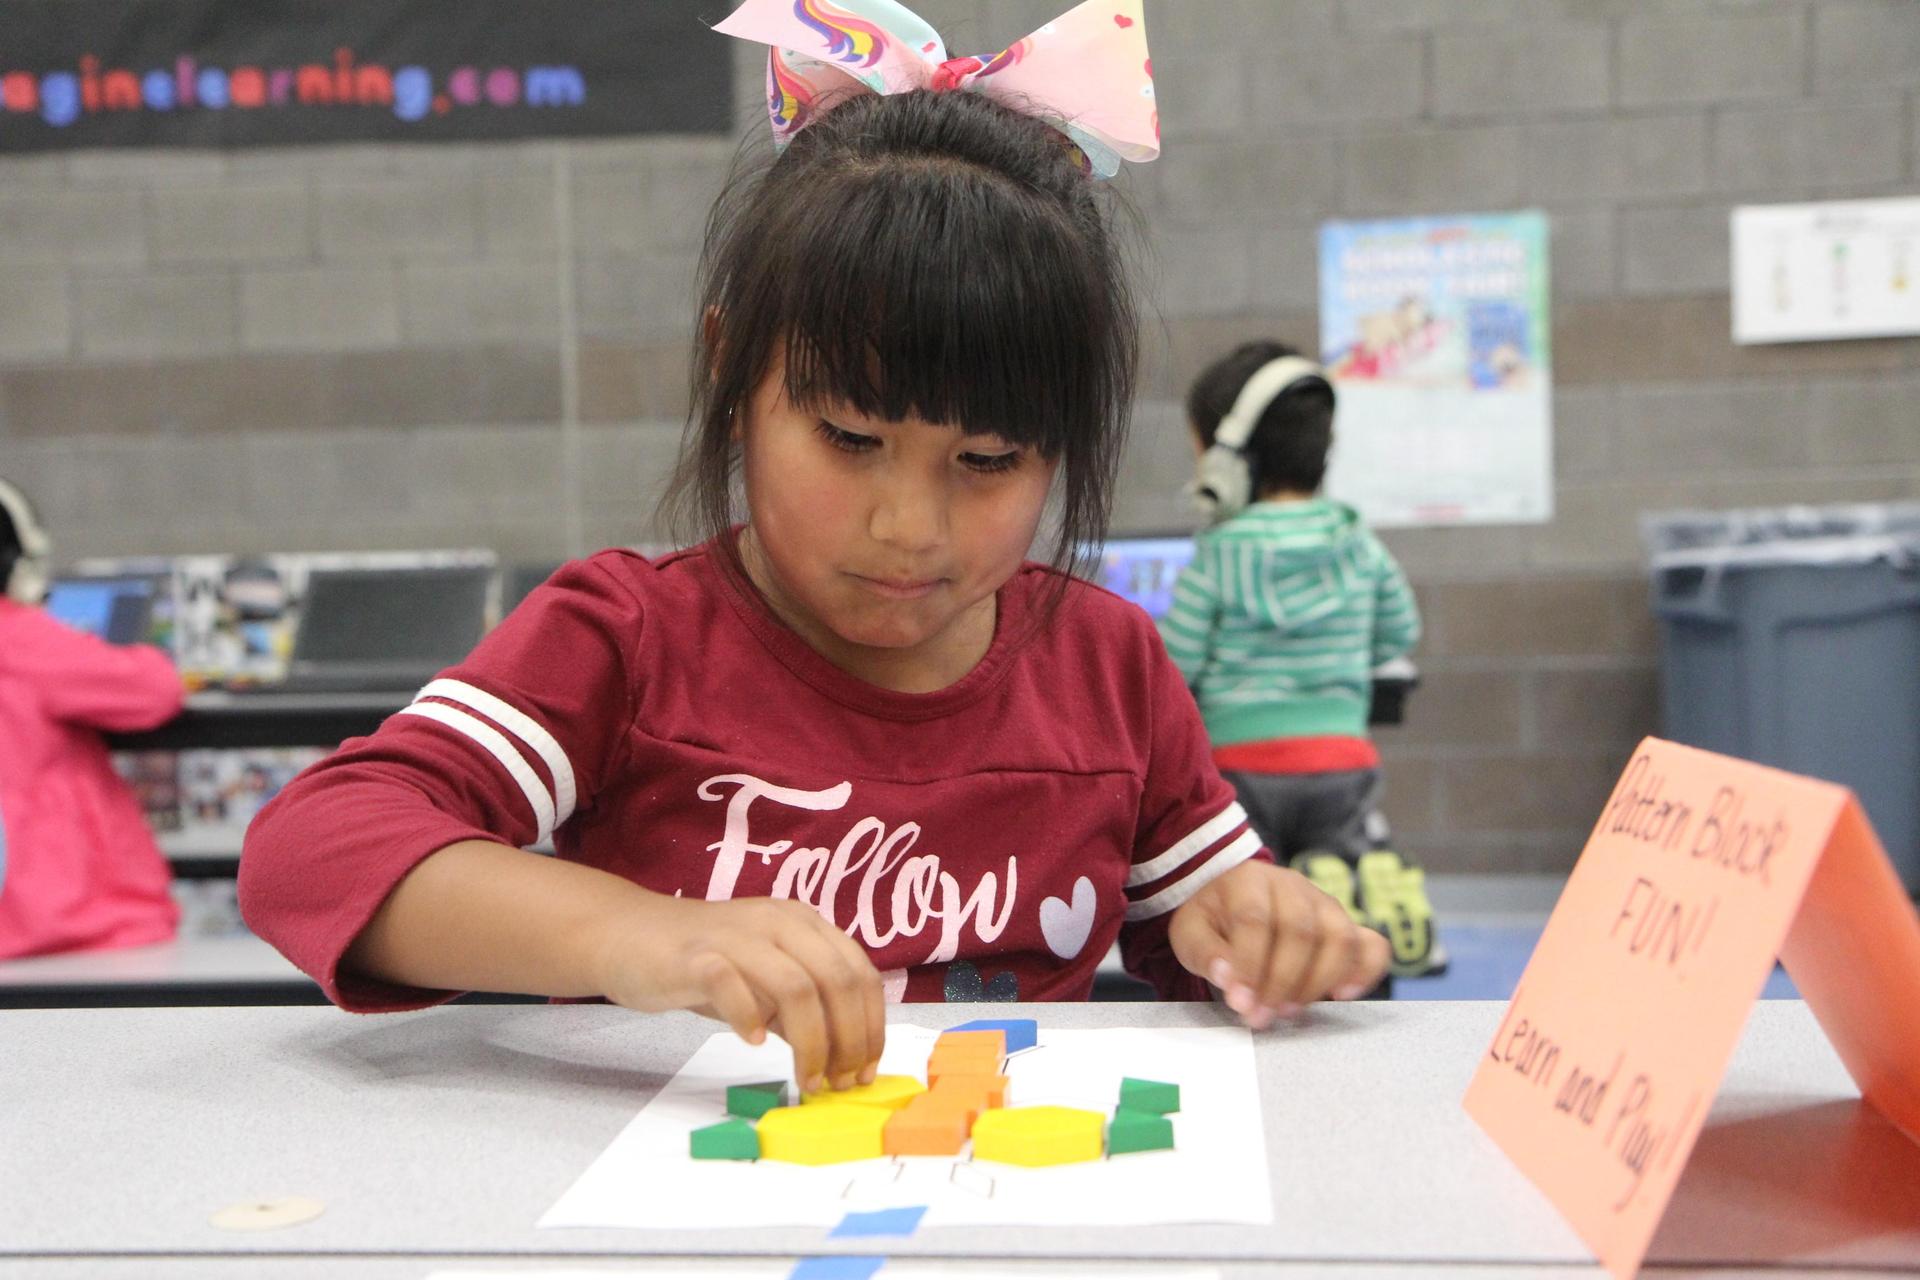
1217	1173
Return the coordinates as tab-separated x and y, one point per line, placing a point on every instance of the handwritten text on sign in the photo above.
1606	1062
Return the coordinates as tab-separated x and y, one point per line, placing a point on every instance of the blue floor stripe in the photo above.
1486	962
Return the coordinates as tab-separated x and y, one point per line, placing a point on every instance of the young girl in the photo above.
854	748
82	870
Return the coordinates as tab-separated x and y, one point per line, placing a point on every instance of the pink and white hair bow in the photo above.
1087	72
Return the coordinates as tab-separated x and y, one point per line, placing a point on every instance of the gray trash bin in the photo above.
1791	637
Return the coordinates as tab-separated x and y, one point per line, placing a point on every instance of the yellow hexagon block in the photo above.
823	1133
1036	1135
891	1092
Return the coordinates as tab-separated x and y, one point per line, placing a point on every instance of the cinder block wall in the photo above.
467	345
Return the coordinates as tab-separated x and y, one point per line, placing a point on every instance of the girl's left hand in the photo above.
1272	943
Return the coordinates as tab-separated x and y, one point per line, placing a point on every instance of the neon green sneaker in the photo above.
1393	897
1332	876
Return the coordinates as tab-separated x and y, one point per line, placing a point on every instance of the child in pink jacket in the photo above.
82	870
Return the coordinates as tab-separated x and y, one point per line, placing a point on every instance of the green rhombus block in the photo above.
728	1140
1149	1095
751	1101
1138	1131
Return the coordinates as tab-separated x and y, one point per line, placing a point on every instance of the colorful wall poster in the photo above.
1436	333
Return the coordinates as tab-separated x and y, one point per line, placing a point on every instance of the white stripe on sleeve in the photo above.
496	745
1199	838
1173	895
521	725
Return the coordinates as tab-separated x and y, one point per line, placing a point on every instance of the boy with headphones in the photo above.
82	870
1277	623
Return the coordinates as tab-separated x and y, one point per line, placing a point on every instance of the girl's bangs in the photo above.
953	298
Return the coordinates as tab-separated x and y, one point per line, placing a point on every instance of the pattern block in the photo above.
751	1101
728	1140
890	1092
1021	1033
823	1134
1035	1136
1138	1131
1149	1095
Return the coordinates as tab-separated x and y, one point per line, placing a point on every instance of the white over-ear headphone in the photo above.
1223	480
27	580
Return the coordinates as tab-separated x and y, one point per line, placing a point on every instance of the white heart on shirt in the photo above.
1066	927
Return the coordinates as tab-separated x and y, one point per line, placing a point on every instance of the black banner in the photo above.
239	73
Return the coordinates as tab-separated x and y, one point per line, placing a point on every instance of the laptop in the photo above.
385	630
118	610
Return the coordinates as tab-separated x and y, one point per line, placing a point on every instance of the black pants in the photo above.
1295	812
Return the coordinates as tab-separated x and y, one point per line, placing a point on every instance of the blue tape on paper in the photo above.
1022	1033
880	1222
848	1267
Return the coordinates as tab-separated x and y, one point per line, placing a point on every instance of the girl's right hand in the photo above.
759	965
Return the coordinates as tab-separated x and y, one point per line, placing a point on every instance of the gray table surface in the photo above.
442	1136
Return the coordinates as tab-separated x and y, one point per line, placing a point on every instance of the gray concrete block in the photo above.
511	471
518	214
158	314
1801	150
1425	15
628	462
1621	158
230	222
1866	421
678	186
356	475
1600	708
1228	184
160	167
1753	426
334	308
92	226
1479	709
1712	59
1675	249
33	169
1583	258
459	303
1585	420
1203	92
1859	44
1525	792
1303	80
36	321
635	296
1427	171
1156	466
609	209
621	381
1450	552
1285	266
1535	69
1203	273
432	215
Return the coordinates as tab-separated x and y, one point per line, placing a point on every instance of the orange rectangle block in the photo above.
927	1128
988	1044
986	1090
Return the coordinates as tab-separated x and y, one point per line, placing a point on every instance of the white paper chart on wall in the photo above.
1812	272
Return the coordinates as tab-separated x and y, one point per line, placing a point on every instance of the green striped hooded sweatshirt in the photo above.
1280	618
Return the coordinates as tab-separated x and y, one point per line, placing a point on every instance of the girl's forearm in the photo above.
479	916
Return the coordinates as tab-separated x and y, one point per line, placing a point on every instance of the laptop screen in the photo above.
118	610
428	617
1143	569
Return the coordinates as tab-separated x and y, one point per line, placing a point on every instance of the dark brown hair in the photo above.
929	254
1288	447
